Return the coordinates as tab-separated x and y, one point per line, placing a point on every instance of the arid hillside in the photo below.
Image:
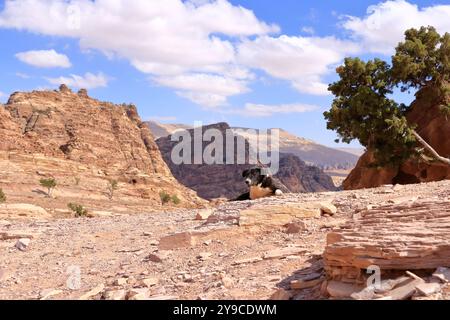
83	144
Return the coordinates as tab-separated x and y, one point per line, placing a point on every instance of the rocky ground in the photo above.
270	248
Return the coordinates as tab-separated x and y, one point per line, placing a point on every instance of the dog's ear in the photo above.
245	173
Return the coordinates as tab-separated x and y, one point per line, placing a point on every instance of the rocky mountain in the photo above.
433	126
300	177
164	129
71	136
356	151
309	151
225	180
313	153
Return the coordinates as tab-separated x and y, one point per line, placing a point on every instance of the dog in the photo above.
260	186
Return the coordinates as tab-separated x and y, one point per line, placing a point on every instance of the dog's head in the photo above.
253	177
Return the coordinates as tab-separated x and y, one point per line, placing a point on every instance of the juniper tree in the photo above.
363	110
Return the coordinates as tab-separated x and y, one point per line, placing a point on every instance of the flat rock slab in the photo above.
279	215
427	289
283	253
394	237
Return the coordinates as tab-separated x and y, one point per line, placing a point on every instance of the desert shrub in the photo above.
113	185
175	199
165	197
50	184
78	210
2	196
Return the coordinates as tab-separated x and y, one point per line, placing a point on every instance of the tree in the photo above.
2	196
113	185
50	184
362	108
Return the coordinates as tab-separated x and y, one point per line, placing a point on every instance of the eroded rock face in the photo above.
225	180
300	177
433	126
72	134
409	236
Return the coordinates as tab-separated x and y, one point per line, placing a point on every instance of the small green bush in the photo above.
50	184
165	197
113	185
78	210
175	199
2	196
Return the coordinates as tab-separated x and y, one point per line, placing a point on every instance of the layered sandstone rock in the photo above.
225	180
433	126
413	235
72	136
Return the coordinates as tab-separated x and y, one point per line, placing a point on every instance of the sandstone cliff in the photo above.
66	135
217	181
432	125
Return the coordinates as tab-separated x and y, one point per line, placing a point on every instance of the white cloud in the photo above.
88	81
301	60
261	110
206	50
385	23
23	75
161	38
205	89
44	59
308	30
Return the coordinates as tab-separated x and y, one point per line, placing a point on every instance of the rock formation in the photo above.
300	177
66	134
225	180
309	151
413	235
433	126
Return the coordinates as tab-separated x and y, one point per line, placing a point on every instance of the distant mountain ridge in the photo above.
225	180
307	150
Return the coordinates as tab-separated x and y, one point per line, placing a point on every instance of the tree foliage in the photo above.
362	108
50	184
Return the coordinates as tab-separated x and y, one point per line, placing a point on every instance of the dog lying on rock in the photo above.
260	185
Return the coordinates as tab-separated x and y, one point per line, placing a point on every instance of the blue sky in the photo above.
250	63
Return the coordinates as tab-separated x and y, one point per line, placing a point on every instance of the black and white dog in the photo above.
260	185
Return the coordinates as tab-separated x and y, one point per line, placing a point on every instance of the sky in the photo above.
251	63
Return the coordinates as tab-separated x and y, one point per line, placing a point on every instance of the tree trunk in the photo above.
436	155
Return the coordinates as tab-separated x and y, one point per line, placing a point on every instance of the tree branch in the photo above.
436	155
